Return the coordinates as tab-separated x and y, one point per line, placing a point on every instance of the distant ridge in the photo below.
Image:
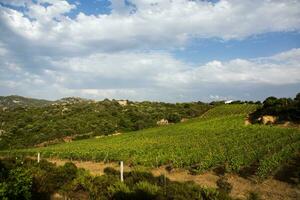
14	101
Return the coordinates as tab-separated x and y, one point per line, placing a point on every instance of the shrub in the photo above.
210	194
19	184
110	171
133	177
4	191
173	118
145	190
98	187
69	170
119	191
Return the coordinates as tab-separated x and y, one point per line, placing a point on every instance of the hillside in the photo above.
14	101
75	118
219	139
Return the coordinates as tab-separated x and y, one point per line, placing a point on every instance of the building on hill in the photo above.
123	102
228	101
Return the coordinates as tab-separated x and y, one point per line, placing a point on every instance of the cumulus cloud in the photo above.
150	75
148	23
283	68
46	53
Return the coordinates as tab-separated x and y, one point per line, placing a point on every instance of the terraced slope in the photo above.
219	138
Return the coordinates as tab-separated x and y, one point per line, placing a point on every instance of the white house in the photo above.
228	101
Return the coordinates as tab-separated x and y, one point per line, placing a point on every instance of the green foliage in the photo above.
290	171
27	126
137	185
4	191
173	118
285	109
15	101
119	190
145	190
17	185
210	194
219	138
270	163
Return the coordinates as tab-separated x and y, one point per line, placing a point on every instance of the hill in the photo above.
74	118
14	101
219	139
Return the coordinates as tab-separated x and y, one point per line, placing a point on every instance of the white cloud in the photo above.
151	75
154	23
122	65
45	53
255	71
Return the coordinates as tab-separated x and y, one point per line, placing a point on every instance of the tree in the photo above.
270	101
174	117
297	98
19	184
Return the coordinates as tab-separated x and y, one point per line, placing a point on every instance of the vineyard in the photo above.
217	139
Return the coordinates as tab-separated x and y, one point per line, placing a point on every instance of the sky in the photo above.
157	50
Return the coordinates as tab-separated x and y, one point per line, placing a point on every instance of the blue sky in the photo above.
93	7
268	44
156	50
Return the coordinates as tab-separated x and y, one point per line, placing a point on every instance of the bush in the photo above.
68	180
98	187
174	118
69	170
119	191
4	191
19	184
145	190
110	171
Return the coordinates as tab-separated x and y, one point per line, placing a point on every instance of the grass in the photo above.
218	138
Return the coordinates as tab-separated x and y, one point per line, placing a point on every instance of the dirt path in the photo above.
269	189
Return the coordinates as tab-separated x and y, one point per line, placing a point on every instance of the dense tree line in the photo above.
27	126
285	109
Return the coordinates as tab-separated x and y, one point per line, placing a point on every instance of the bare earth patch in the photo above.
269	189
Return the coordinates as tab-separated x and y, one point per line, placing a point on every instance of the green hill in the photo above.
14	101
217	139
79	118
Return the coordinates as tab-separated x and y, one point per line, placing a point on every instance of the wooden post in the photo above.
165	182
121	171
38	157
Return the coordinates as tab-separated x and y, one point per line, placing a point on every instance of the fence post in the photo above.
38	157
165	183
121	171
